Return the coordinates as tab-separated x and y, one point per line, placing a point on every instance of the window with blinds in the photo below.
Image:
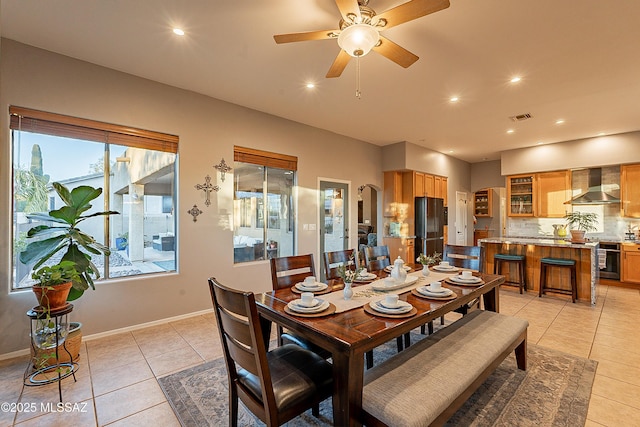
134	167
263	205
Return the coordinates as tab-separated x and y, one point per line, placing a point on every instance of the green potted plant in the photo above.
122	241
53	284
580	223
428	261
47	240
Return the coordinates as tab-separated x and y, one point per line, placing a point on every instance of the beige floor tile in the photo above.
576	347
124	339
620	391
73	414
138	397
630	342
619	371
110	358
564	334
611	413
208	349
154	333
174	361
623	356
108	380
159	415
590	423
162	345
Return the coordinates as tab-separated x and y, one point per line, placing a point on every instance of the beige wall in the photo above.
580	153
208	130
486	175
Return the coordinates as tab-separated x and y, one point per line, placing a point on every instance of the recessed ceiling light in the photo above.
178	31
559	121
516	79
454	99
540	143
510	131
450	151
310	85
601	134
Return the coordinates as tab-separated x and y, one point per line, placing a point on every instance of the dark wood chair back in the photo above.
287	271
249	367
469	257
376	257
334	259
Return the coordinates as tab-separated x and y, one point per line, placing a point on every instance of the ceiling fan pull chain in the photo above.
358	92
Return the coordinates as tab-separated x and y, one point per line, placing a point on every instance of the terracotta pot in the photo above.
577	236
52	297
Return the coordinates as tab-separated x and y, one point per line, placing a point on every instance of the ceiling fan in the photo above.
359	31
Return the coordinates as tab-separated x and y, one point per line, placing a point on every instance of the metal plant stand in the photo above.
48	333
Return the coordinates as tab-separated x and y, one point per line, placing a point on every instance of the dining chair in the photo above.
468	257
277	385
285	273
334	259
376	257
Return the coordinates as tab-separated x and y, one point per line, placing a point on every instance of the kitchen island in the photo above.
584	254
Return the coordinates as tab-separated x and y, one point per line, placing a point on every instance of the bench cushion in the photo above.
437	369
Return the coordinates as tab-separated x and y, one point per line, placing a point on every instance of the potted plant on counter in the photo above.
581	223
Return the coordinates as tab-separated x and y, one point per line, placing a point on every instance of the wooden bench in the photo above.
428	382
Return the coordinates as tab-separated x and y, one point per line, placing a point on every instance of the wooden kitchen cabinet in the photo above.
482	203
630	190
429	185
631	263
401	247
440	184
392	192
552	189
520	195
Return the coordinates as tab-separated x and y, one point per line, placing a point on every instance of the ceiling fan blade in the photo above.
348	6
338	65
411	10
301	37
394	52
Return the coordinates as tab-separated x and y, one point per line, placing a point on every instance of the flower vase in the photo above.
348	292
425	270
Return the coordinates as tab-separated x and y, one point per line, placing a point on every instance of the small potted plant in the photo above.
122	241
348	272
581	223
53	284
428	261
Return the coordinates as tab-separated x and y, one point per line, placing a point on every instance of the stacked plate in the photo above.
311	287
468	281
388	268
447	269
429	292
316	306
381	306
365	277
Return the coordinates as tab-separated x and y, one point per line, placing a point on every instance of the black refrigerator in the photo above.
429	217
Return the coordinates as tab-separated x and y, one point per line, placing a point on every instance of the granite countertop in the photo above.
539	242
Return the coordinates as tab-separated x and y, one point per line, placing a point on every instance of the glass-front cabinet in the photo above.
520	189
482	203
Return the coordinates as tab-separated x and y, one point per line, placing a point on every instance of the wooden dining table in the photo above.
350	334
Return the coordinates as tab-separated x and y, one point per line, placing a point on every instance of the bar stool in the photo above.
561	263
520	262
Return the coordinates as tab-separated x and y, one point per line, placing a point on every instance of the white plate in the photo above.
424	291
446	269
383	285
441	291
399	306
388	268
314	303
316	287
461	280
401	310
320	307
365	276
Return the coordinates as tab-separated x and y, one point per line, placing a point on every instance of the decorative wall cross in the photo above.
223	168
194	211
207	188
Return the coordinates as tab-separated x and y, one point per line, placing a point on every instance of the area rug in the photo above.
554	391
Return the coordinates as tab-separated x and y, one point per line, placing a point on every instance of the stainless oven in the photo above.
612	257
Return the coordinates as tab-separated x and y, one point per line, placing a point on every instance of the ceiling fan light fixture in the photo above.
358	39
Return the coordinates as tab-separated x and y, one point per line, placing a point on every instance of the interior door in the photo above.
461	218
334	219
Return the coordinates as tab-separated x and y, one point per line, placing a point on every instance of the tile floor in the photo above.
116	383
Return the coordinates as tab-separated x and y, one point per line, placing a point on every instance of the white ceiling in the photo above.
579	61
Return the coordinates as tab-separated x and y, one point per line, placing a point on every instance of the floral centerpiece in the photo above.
428	261
348	272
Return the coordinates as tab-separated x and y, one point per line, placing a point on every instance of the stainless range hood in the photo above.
594	195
